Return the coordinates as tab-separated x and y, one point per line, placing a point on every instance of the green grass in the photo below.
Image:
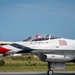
23	64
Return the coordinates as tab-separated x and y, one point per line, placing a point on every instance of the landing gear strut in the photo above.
50	71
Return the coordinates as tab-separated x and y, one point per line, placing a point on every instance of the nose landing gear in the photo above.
50	71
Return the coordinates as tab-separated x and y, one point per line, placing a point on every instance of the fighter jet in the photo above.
54	50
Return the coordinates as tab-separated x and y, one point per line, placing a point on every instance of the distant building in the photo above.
1	54
15	54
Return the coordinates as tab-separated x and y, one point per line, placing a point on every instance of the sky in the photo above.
22	18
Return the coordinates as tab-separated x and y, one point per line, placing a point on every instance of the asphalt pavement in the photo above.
36	73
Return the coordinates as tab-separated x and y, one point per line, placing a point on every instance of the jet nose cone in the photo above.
3	50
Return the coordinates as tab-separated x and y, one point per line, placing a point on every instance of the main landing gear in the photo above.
50	71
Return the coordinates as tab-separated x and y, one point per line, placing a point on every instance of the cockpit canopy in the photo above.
38	37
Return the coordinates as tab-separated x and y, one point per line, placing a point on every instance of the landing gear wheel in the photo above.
50	72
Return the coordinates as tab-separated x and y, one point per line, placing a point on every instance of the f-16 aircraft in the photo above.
54	50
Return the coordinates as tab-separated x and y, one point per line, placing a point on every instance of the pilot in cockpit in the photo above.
40	38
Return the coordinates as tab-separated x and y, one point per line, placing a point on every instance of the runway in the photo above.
36	73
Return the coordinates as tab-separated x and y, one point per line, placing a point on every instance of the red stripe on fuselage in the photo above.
3	50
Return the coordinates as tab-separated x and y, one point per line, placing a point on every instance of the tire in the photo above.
50	72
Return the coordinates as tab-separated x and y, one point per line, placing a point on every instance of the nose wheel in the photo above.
50	71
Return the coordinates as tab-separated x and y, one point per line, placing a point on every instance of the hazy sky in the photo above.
22	18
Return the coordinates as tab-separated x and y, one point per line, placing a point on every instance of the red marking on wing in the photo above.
62	43
3	50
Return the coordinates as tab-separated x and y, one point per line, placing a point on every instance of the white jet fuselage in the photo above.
56	50
53	50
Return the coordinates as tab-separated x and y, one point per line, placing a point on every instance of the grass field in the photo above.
26	64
